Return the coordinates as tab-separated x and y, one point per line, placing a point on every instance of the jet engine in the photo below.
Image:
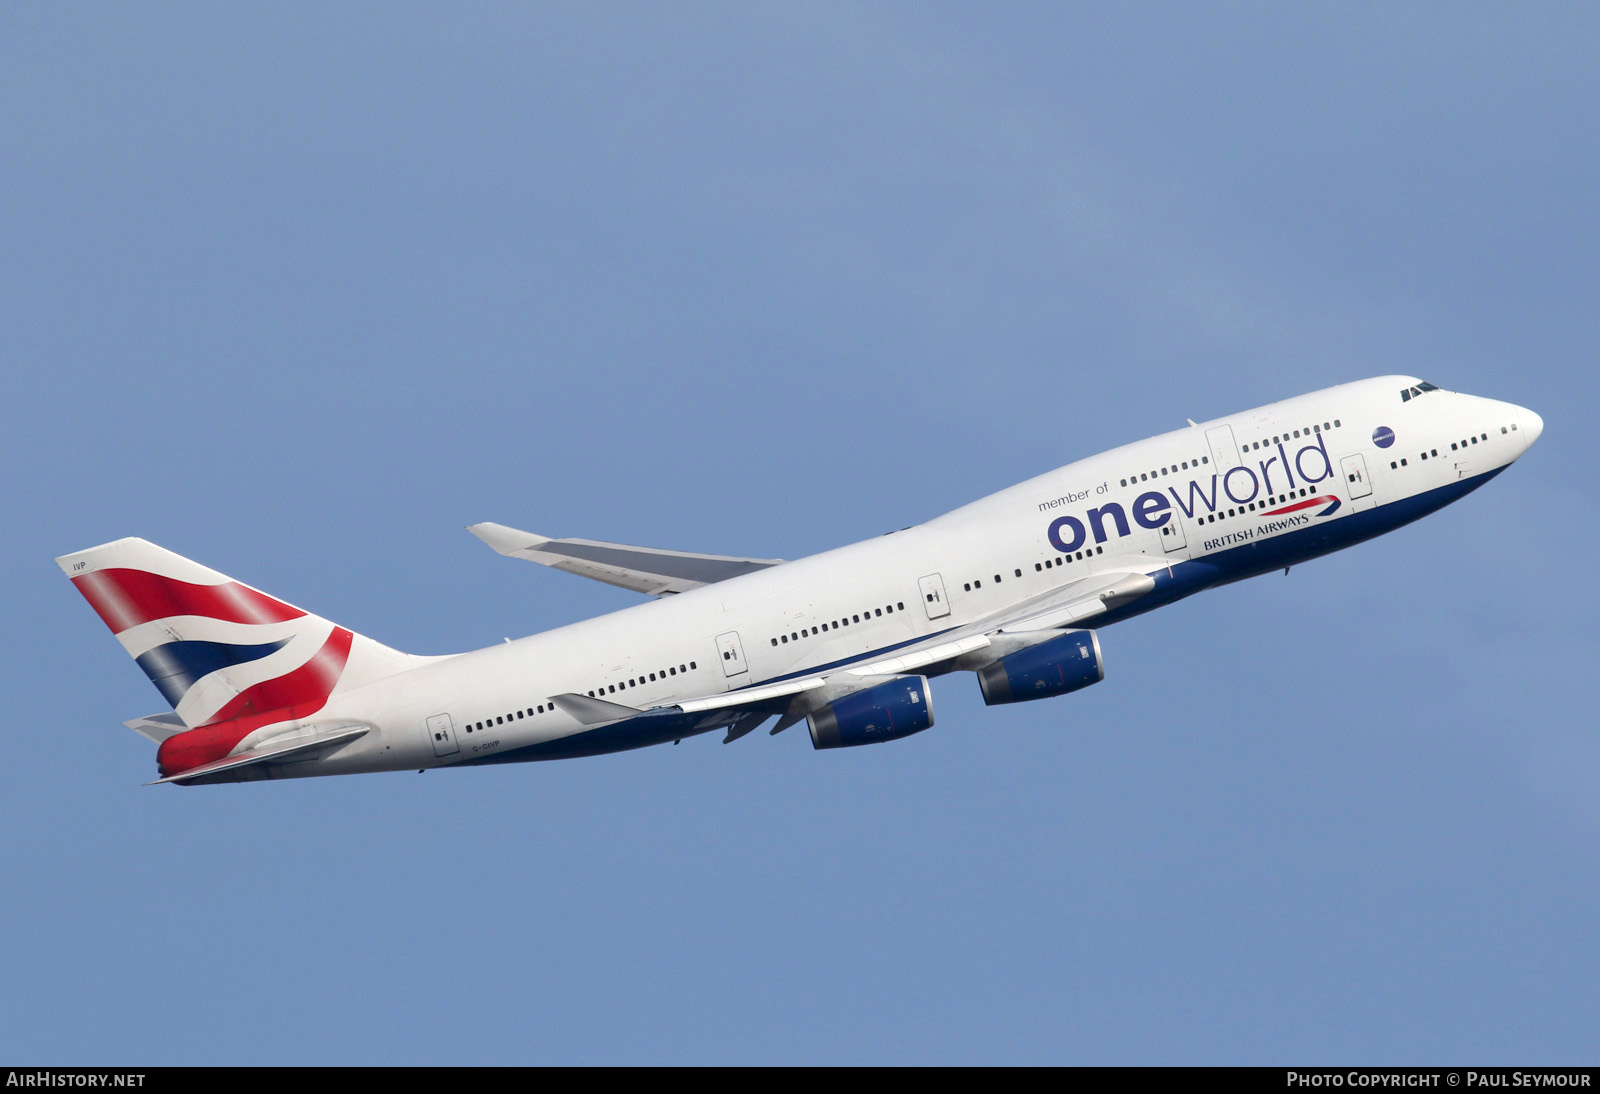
883	712
1052	667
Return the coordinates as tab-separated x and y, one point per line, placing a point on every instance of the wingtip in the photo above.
504	539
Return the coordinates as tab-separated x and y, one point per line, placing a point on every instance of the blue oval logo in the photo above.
1383	436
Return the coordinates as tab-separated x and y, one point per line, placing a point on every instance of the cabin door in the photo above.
734	666
1172	538
1357	482
933	598
1224	452
443	735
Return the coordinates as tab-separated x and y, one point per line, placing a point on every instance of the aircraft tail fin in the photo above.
216	648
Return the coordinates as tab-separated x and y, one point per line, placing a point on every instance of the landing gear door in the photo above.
734	666
933	598
443	735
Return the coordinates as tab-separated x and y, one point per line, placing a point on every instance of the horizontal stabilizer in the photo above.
650	570
278	751
158	727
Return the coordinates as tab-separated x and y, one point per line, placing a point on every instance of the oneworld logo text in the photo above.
1238	485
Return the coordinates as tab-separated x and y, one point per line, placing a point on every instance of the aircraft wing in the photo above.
1071	604
971	646
650	570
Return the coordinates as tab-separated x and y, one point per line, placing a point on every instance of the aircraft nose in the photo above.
1532	426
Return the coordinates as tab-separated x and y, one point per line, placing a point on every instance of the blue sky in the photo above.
300	292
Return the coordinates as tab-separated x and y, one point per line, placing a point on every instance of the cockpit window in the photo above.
1407	392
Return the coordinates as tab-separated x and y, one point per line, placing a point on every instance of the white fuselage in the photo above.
1200	506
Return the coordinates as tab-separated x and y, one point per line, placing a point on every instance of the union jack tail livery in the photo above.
229	658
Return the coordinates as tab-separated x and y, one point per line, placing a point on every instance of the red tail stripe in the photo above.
298	694
307	686
184	751
127	598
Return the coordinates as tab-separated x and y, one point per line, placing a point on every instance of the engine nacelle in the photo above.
1056	667
885	712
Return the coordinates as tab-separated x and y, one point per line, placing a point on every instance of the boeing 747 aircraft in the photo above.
1014	588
